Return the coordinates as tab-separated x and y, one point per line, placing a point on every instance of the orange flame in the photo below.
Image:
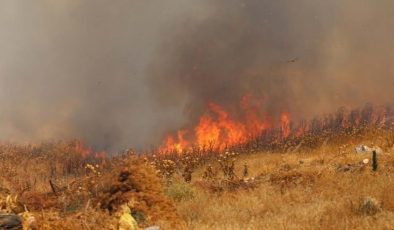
285	125
80	148
207	131
220	129
217	128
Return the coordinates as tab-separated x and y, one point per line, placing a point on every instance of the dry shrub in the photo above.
179	190
30	167
65	188
369	206
290	179
229	180
137	185
36	201
226	185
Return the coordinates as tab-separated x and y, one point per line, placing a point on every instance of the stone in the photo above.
10	221
363	149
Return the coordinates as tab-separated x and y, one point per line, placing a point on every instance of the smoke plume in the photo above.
121	73
305	57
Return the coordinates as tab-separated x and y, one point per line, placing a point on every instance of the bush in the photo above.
180	191
369	206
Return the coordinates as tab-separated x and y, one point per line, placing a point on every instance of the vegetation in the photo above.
318	183
329	186
63	189
374	161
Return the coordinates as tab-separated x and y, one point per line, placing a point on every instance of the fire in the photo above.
232	132
219	129
285	124
255	123
207	131
79	147
177	144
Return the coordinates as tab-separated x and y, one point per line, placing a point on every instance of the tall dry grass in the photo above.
63	188
319	183
324	188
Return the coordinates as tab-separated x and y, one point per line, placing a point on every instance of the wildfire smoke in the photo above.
127	73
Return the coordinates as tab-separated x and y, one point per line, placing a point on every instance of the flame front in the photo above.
218	128
81	149
285	124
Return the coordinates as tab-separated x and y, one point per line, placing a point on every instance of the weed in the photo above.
180	191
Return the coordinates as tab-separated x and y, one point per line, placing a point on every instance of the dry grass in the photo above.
64	189
320	184
321	189
312	195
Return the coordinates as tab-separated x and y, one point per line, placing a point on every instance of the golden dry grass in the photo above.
63	189
312	190
319	187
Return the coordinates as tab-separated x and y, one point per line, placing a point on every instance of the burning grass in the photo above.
270	182
317	181
250	130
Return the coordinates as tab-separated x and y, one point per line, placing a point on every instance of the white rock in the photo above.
363	149
152	228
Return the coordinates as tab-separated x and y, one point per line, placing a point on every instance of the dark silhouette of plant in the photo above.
374	161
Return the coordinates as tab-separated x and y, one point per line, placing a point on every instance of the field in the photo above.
196	115
321	193
326	185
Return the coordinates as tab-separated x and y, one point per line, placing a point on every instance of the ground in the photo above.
315	190
313	184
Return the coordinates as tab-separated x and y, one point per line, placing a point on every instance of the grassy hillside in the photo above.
320	183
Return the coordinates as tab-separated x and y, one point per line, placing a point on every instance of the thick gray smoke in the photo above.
75	69
307	57
120	73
